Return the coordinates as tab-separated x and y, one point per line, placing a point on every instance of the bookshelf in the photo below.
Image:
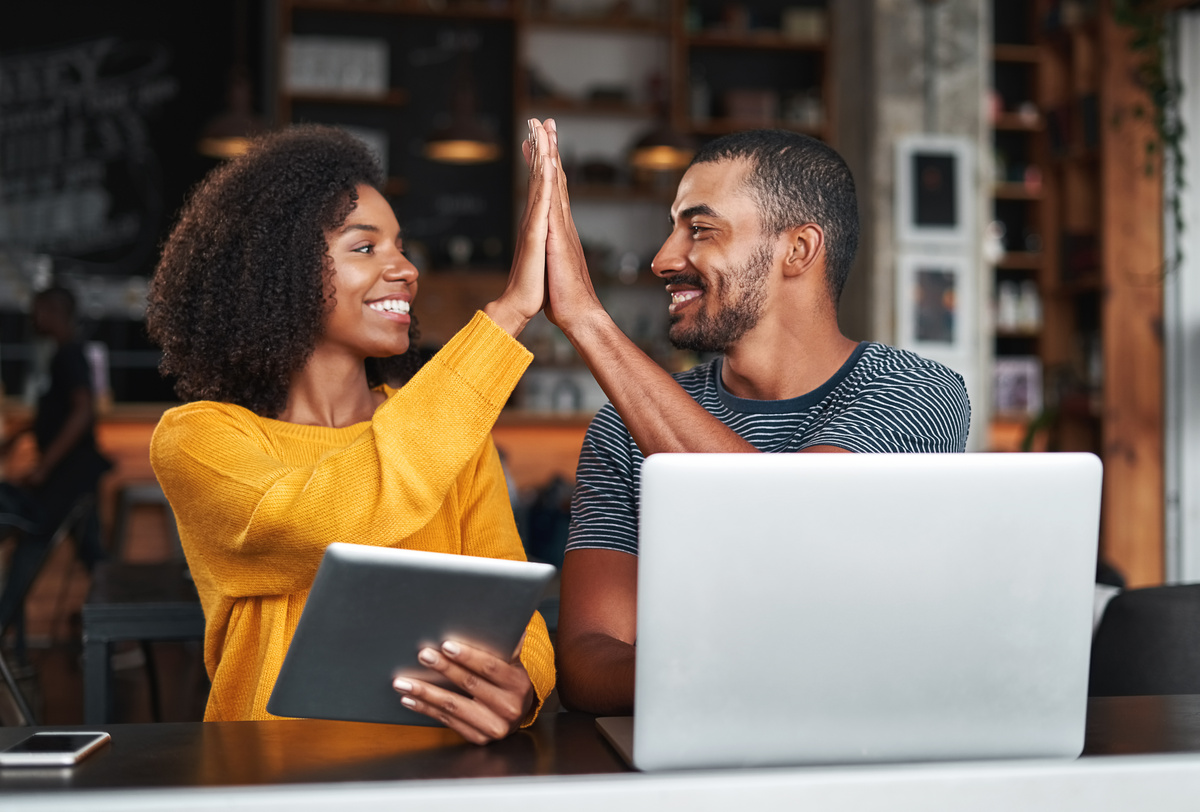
1097	262
764	64
1018	209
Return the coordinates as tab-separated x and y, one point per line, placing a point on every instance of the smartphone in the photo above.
52	749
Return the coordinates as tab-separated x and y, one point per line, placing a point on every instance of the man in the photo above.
68	465
764	230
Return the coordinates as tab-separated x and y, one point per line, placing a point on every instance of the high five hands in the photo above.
548	270
570	298
525	293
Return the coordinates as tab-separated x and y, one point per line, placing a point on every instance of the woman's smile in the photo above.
395	309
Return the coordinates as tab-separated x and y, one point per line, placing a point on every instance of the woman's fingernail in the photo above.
428	656
402	685
452	648
408	701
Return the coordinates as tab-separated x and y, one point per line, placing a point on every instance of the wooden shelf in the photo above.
1015	191
452	10
1020	261
1016	122
722	126
758	40
1027	54
396	97
1018	334
601	25
591	108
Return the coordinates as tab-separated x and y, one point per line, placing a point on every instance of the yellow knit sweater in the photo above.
258	500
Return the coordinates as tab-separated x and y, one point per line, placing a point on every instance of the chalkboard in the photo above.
101	105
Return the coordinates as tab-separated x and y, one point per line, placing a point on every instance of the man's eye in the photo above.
698	229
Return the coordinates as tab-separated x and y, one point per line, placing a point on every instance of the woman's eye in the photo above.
363	249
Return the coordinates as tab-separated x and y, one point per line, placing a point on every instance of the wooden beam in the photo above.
1132	257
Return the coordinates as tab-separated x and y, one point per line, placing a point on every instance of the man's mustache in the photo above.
685	278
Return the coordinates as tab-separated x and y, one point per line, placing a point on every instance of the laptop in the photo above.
851	608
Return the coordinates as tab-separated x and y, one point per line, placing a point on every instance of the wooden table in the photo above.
562	763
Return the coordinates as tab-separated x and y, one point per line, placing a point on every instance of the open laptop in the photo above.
842	608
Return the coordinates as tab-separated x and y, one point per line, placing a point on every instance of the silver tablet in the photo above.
371	609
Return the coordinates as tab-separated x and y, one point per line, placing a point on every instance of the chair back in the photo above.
1148	643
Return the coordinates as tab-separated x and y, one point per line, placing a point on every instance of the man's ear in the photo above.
805	249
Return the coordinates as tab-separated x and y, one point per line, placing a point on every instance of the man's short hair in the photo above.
797	179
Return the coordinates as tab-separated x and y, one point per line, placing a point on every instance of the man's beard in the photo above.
742	295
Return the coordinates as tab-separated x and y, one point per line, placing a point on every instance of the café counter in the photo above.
1140	752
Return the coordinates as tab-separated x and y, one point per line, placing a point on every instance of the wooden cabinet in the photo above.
1099	271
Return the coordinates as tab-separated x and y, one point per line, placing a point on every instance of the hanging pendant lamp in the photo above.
466	139
228	134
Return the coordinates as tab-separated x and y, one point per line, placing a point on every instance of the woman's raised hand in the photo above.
570	297
525	293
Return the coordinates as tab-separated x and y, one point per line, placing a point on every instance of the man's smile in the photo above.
680	298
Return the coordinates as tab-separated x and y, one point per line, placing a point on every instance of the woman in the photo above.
282	282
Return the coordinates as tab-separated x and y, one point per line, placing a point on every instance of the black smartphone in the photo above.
52	749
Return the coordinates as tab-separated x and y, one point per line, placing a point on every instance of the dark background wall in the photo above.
101	106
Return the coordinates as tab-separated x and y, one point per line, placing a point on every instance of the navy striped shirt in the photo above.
881	400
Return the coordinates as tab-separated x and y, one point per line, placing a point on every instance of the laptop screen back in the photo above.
835	608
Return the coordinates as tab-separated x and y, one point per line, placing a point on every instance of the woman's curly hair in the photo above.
238	299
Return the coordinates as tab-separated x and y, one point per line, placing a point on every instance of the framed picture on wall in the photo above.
1018	386
931	307
933	195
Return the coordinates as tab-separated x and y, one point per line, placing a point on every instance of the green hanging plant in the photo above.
1149	27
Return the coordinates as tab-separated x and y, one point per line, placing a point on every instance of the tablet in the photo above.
371	609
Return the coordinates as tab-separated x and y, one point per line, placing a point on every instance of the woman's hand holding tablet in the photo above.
414	638
499	694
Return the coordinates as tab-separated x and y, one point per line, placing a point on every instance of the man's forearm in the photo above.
596	675
658	413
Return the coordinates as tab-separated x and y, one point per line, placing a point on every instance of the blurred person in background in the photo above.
68	466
